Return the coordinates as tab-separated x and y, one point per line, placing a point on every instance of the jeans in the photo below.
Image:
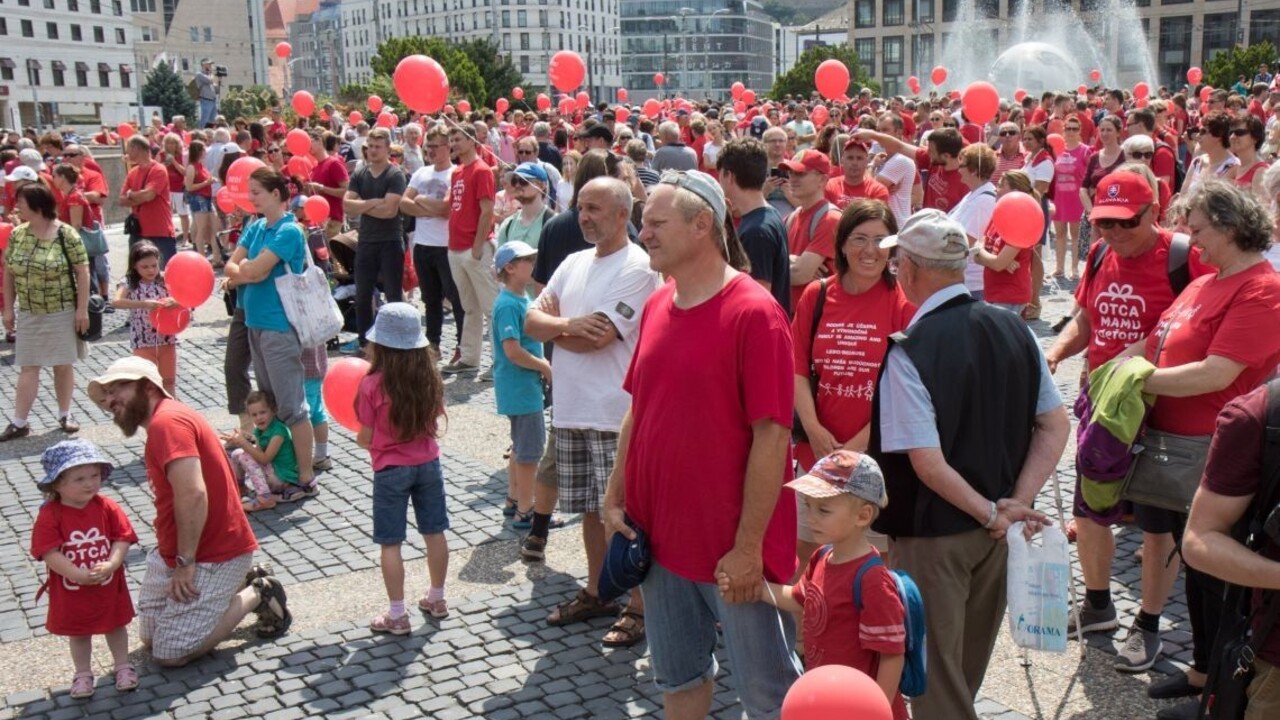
436	283
376	262
208	111
395	487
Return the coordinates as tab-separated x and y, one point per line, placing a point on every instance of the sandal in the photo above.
126	678
257	504
581	608
509	510
627	631
13	432
274	617
524	521
261	570
437	609
82	685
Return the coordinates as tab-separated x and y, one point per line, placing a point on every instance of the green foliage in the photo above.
355	96
249	103
1226	67
163	88
465	78
798	81
785	14
496	69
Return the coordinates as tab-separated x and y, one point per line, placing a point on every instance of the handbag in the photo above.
308	303
797	428
96	304
132	226
94	239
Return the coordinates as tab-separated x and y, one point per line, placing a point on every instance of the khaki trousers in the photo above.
962	580
1263	692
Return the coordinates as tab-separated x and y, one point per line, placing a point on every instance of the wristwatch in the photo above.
181	561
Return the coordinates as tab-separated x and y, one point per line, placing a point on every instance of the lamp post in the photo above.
684	14
706	51
590	85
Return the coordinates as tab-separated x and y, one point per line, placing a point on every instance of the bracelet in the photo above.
991	518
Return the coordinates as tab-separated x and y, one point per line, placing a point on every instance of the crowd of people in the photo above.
744	296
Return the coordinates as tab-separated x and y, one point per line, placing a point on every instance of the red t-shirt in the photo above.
373	410
201	175
839	192
177	173
1256	110
1162	164
697	145
1039	116
93	181
851	343
1124	301
1002	286
331	172
156	215
836	632
908	124
944	189
84	536
1231	317
822	243
1087	127
735	359
472	183
1234	469
75	199
176	432
972	133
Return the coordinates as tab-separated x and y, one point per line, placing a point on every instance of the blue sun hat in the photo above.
397	326
69	454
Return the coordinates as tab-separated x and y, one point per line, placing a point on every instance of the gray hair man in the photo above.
673	155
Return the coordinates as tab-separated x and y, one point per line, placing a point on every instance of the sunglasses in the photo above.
524	152
950	125
272	151
1142	155
517	182
1131	223
1008	133
1239	132
1071	128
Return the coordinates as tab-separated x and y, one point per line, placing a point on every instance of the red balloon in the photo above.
303	103
1082	90
374	103
1019	94
283	50
238	181
189	277
464	106
1057	142
1205	92
582	100
1095	74
5	231
831	78
1018	219
659	79
1142	102
421	83
939	75
835	691
543	102
226	201
913	81
517	93
448	109
981	102
316	209
566	71
125	130
501	105
1141	90
355	117
567	106
386	120
621	113
739	107
298	141
954	94
341	383
170	320
652	108
324	116
1195	75
622	94
820	115
749	97
736	90
300	166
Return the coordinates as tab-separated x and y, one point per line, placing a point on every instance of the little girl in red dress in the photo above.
82	537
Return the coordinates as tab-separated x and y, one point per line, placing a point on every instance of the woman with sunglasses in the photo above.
1006	269
1040	168
1247	135
1069	169
936	118
1140	150
1216	159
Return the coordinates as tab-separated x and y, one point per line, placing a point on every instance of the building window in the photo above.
1173	2
28	30
99	35
506	18
34	74
865	14
117	8
208	34
924	51
1219	34
6	73
4	26
524	41
195	34
104	78
923	10
76	34
950	8
73	5
1175	48
48	4
524	64
126	80
59	78
51	29
894	12
893	57
1264	25
866	50
82	77
522	18
120	39
95	7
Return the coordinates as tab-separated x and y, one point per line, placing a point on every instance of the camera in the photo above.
220	71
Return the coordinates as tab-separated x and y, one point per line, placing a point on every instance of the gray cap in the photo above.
932	235
702	185
844	472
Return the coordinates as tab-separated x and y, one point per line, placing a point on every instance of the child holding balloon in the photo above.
142	293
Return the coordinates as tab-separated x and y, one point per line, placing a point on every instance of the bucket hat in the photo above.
398	326
68	454
126	368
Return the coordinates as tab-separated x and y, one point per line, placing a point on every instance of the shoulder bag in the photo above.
96	304
308	303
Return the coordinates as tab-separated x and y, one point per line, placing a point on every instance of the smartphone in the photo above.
781	173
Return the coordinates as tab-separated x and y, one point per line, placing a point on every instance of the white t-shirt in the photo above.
900	171
586	388
974	213
802	128
1040	172
432	183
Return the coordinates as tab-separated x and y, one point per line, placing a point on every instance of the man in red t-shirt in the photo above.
329	178
146	191
471	195
724	418
1143	121
854	181
183	614
812	253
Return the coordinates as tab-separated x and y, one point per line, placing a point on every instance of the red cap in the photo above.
808	161
856	143
1120	196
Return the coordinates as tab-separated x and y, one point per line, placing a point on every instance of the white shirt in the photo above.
900	172
1042	172
432	183
974	213
586	388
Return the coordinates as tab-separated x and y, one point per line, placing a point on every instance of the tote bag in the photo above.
309	304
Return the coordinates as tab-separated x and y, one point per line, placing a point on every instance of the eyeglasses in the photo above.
1131	223
950	125
524	152
1142	155
1008	133
861	242
1071	128
1239	132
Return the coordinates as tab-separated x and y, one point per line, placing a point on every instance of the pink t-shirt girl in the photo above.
373	410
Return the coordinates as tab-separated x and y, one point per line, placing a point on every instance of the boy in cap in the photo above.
845	493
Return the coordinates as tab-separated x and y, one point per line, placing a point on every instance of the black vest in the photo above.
982	370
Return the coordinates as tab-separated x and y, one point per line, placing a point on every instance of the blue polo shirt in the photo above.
261	302
518	390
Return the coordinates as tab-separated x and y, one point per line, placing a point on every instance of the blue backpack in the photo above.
914	672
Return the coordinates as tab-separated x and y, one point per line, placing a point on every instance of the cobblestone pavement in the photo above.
493	657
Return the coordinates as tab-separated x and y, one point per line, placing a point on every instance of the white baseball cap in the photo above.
930	234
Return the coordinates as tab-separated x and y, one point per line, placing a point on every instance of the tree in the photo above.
798	81
1225	68
465	79
250	103
496	68
163	88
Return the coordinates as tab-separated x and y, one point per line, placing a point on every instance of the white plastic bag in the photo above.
1039	586
309	304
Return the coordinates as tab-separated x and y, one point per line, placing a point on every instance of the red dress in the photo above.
84	535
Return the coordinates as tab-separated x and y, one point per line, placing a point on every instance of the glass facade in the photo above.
1174	54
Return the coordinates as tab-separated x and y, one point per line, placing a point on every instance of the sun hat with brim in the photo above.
126	368
68	454
844	472
398	326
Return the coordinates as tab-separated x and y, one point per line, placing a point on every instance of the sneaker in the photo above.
1092	619
108	309
323	464
1139	652
456	357
351	347
533	548
436	609
486	376
455	368
384	623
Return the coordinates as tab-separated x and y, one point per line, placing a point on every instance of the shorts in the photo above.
277	366
1156	520
102	268
313	388
680	622
164	357
175	630
397	486
199	203
528	437
179	202
584	459
546	475
1263	691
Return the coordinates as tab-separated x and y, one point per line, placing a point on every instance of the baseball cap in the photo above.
844	472
599	132
22	172
852	143
531	171
32	159
1120	196
700	184
808	161
930	234
510	252
126	368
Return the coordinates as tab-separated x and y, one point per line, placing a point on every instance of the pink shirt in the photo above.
373	409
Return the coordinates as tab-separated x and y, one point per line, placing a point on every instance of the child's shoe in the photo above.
262	502
435	608
82	685
384	623
126	678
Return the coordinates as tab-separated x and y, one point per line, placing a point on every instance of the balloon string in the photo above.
786	648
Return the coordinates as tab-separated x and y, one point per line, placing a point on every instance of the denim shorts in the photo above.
528	437
394	488
199	203
680	618
313	389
